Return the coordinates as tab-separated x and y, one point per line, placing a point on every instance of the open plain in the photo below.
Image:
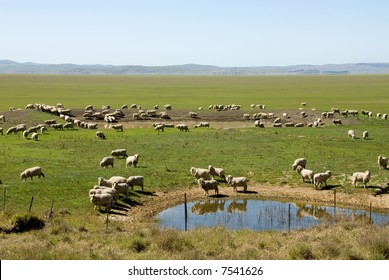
70	160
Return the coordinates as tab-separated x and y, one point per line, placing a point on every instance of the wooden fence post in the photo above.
32	199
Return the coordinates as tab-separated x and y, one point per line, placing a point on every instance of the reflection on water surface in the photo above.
257	215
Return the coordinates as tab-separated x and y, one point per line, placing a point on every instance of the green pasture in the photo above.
368	92
70	159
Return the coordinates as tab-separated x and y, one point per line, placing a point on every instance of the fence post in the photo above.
370	220
51	209
334	205
186	213
5	195
289	218
107	220
32	199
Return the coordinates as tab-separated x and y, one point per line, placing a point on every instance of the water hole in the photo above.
259	215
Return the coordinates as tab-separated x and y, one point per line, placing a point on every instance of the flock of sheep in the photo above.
317	179
107	191
205	178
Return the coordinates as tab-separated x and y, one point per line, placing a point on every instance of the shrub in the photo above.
26	222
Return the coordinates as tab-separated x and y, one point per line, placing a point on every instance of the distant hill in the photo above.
12	67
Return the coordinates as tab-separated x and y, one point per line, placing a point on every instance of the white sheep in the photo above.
351	134
121	188
34	136
363	177
217	171
305	174
106	161
31	172
237	182
117	127
104	189
207	185
136	181
200	173
382	162
320	178
102	199
299	162
119	153
109	183
132	160
159	127
365	134
100	135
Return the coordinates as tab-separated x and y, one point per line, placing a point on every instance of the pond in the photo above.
258	215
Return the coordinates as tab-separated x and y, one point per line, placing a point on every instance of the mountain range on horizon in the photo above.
13	67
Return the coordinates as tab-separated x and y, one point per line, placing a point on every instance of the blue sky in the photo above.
213	32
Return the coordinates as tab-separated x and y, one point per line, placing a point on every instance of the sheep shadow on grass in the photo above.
218	195
132	203
327	188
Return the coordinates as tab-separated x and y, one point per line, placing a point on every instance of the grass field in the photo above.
70	159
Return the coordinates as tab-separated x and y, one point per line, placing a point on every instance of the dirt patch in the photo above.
160	201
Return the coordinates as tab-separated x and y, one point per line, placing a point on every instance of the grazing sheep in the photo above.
121	188
102	199
299	162
363	177
351	134
257	123
237	182
365	135
109	183
337	121
34	136
217	171
100	135
2	118
200	173
31	172
119	153
25	134
132	160
305	174
193	114
382	162
159	127
136	181
117	127
107	161
182	127
320	178
207	185
385	116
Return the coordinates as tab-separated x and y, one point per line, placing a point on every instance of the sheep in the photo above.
207	185
215	171
237	182
257	123
25	134
102	199
109	183
106	161
100	135
365	134
12	129
200	173
337	121
182	127
363	177
305	174
132	160
117	127
159	127
2	118
193	114
119	153
121	188
135	181
320	178
105	189
385	116
34	136
299	162
351	134
382	162
31	172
